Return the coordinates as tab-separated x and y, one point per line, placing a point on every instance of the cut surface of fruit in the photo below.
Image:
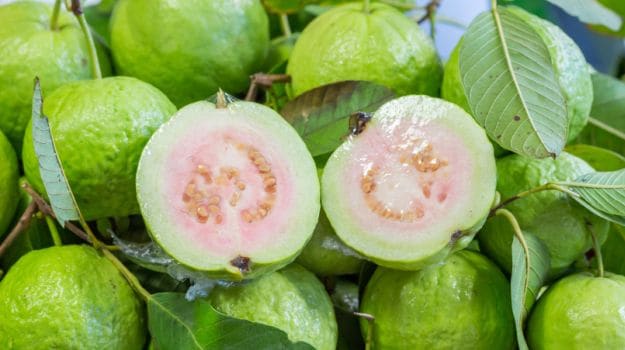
231	191
413	186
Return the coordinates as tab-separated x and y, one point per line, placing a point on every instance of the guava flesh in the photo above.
236	189
413	186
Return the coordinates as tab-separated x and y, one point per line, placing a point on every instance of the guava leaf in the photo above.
321	115
591	12
176	323
530	265
603	193
607	123
60	194
511	86
600	159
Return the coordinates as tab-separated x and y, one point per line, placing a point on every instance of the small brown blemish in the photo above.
358	121
455	237
241	262
516	118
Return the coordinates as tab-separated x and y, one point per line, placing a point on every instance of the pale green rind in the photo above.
383	46
190	48
9	195
580	311
291	299
414	254
153	201
100	128
28	48
571	70
462	303
69	297
550	215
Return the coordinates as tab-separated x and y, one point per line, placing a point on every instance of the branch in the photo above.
21	226
265	81
430	10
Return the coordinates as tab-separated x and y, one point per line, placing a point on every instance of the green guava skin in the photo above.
291	299
461	303
326	255
9	175
190	48
29	49
69	297
568	63
382	46
552	216
100	128
580	311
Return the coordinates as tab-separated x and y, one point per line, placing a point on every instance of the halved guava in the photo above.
229	191
415	185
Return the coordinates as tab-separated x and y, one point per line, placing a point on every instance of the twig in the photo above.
430	10
265	81
21	226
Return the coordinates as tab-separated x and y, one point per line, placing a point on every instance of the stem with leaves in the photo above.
54	19
93	55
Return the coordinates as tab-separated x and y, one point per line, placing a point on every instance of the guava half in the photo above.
231	191
415	185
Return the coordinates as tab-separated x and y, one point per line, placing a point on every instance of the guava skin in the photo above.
29	49
326	255
382	46
461	303
69	297
580	311
555	219
291	299
9	197
100	128
190	48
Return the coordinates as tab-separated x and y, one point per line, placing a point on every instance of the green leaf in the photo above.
530	265
176	323
607	123
61	198
321	115
601	192
599	158
511	86
591	12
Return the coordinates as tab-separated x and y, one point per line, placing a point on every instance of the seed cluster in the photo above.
423	161
200	196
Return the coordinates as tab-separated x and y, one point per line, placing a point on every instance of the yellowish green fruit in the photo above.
9	197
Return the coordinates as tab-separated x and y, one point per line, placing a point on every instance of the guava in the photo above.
412	187
100	128
382	45
558	221
567	61
462	303
29	48
228	189
580	311
68	297
189	49
326	255
291	299
8	183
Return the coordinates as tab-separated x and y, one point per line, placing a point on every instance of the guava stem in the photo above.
366	5
21	226
285	25
370	319
54	20
518	233
597	248
607	128
545	187
53	231
493	4
130	277
93	55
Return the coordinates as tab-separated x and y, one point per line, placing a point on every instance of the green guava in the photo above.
100	128
190	49
326	255
29	48
68	297
8	184
237	193
291	299
558	221
412	187
580	311
567	61
462	303
382	45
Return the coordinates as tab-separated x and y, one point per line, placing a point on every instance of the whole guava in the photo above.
9	197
